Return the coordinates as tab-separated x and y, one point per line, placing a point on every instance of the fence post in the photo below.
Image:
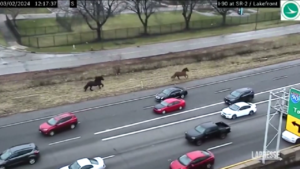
53	39
80	37
37	42
159	29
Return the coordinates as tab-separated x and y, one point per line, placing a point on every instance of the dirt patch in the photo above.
53	88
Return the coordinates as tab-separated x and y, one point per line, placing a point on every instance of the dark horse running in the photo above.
96	82
182	73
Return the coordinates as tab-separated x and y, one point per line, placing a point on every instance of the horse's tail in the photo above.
86	86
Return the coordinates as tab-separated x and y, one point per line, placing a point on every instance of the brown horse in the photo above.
182	73
96	82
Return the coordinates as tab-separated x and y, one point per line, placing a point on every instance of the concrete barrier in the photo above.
290	157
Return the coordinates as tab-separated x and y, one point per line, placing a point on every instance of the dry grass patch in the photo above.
59	88
20	97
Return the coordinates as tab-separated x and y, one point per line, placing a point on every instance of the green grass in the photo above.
162	38
2	40
32	11
39	26
121	26
261	10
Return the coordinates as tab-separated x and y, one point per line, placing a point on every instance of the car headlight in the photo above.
162	98
45	129
193	138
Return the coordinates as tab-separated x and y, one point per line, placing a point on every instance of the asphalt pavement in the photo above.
130	135
19	61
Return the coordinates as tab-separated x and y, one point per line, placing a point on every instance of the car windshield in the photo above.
165	104
200	129
74	166
52	122
5	155
205	153
166	91
93	161
235	94
234	107
184	160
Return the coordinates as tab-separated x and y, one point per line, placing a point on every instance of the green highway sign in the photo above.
294	103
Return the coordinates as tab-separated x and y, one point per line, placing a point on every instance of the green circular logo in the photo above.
290	10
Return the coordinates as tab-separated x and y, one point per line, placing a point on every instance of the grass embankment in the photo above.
128	25
36	94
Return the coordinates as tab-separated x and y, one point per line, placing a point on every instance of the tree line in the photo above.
97	12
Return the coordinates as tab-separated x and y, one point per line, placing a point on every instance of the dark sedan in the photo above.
172	92
240	95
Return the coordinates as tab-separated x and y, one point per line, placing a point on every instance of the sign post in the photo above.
293	117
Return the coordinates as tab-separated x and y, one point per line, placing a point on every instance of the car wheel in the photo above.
2	167
251	113
32	161
251	98
208	166
182	96
180	108
222	136
73	126
297	141
164	112
52	133
233	117
198	142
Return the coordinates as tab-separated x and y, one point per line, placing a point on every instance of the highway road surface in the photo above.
129	135
18	62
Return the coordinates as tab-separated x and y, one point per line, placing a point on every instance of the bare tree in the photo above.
144	9
188	7
97	12
222	11
14	12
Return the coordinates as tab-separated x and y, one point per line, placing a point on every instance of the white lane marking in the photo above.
141	98
71	139
111	156
222	90
167	116
158	118
219	146
148	107
280	77
169	124
111	104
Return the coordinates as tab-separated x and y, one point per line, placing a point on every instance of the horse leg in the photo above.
91	88
99	86
178	77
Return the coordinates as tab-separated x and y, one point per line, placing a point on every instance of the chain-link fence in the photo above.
60	39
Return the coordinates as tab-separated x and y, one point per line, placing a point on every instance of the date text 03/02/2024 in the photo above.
28	3
248	3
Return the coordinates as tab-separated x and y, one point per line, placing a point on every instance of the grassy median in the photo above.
37	94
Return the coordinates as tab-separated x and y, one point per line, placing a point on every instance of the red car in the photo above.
58	123
194	160
169	105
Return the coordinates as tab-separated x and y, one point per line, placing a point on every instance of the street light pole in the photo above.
256	18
